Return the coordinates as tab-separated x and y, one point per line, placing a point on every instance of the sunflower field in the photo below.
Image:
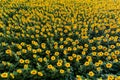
59	39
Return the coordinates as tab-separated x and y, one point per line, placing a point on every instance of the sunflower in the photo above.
33	72
91	74
67	64
4	75
40	73
108	65
62	71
